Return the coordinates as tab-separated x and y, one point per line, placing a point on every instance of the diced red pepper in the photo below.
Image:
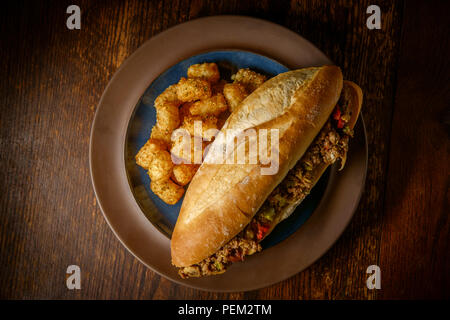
237	256
262	230
337	116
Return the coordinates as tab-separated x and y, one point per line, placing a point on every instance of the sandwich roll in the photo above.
330	145
223	199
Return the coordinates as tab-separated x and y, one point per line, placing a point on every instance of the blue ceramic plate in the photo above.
162	215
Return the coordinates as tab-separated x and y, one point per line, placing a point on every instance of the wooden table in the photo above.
52	81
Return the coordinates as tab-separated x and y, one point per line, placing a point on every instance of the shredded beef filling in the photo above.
330	145
233	251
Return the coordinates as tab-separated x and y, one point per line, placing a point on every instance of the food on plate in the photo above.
213	106
207	123
183	173
160	134
168	96
205	71
168	117
230	208
161	166
188	149
185	110
167	190
234	94
251	80
147	152
172	160
192	89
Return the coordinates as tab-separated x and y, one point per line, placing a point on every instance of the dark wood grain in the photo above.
415	238
52	82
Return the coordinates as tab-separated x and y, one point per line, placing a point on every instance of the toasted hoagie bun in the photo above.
222	199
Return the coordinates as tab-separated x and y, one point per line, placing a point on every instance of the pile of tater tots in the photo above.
202	96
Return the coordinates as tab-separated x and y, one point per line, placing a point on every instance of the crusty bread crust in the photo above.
222	198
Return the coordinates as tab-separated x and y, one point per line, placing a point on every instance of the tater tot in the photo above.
160	134
167	190
206	71
192	89
234	94
250	79
183	173
188	149
161	166
168	95
212	106
208	126
168	117
146	154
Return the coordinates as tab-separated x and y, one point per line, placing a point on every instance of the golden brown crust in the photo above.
205	71
222	199
147	153
192	89
167	190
